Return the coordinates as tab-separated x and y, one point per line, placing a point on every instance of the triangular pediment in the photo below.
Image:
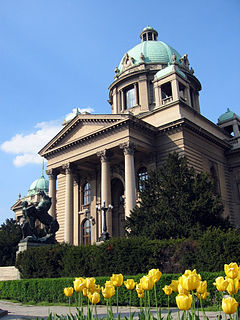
79	128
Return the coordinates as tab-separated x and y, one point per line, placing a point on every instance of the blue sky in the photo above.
56	55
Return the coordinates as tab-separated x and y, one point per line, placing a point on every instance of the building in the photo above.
98	159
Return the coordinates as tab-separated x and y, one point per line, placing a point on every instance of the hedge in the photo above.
51	290
205	252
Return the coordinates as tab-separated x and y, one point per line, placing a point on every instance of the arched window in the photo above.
142	176
86	232
86	194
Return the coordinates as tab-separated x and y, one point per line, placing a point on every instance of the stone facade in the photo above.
102	159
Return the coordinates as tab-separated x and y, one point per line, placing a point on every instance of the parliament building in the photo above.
101	159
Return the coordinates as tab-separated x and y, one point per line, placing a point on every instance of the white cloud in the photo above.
80	110
26	147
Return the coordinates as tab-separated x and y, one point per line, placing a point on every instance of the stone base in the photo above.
25	245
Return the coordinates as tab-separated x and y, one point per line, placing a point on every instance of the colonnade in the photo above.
130	187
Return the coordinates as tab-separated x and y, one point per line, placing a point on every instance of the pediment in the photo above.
79	128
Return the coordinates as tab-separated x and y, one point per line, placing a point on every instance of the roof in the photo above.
153	52
40	184
165	71
228	115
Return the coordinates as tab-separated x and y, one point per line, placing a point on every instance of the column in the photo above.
235	129
130	183
68	226
106	187
175	89
136	94
52	191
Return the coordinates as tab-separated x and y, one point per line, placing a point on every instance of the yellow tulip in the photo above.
174	285
141	295
156	274
90	282
68	291
139	290
85	292
221	284
229	305
79	284
130	284
233	286
190	282
108	291
95	298
167	290
184	301
231	270
147	282
202	287
117	279
194	272
181	290
203	295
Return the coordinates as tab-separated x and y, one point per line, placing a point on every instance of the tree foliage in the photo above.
174	201
10	235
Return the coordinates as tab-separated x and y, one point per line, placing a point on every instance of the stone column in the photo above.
235	129
136	94
175	89
68	226
106	187
130	182
52	191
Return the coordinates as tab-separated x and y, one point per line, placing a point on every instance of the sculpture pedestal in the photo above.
25	245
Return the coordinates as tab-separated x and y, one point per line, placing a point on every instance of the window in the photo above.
142	176
86	194
166	89
149	36
130	97
182	91
86	232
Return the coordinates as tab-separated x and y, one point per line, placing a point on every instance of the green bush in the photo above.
207	251
51	290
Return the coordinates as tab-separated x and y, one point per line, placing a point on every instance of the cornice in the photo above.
130	122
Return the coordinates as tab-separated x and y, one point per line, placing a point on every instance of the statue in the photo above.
31	213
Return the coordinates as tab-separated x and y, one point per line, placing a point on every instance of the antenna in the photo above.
43	167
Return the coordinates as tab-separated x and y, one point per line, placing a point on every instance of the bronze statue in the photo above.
32	213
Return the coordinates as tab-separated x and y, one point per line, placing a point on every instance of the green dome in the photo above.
153	52
40	184
228	115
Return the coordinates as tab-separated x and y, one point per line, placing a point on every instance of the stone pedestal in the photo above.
25	245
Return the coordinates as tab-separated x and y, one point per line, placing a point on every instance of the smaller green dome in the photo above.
228	115
40	184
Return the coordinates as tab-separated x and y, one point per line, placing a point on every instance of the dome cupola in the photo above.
40	184
148	34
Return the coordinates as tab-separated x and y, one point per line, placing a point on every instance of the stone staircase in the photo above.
9	273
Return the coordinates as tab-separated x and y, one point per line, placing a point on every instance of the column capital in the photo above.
104	155
67	167
128	148
52	173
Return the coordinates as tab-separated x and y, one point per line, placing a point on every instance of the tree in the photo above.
10	235
174	201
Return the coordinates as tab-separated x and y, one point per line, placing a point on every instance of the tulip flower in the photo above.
68	292
229	305
156	274
141	295
85	292
233	286
184	301
139	290
95	298
79	284
117	279
194	272
202	287
181	290
147	282
130	284
190	282
108	291
174	285
231	270
221	284
167	290
90	282
202	296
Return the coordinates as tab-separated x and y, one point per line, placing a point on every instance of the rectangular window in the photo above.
130	98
